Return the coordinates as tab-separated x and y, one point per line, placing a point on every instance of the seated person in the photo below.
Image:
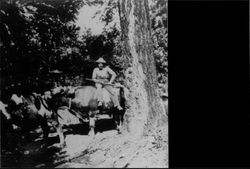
101	74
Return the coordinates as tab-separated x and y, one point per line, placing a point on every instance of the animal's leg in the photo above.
61	135
56	125
46	130
91	123
120	124
59	130
117	118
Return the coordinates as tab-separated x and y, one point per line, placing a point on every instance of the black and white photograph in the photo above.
84	83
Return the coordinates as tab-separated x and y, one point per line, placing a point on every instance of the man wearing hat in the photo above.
101	74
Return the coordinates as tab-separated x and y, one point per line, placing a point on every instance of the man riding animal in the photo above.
101	74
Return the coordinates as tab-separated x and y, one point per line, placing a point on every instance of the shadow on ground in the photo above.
39	156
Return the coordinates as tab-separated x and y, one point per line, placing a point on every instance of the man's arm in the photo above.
94	74
112	73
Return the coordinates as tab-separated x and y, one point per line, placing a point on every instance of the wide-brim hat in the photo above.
100	60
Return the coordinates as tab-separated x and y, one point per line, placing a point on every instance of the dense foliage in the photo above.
159	19
35	38
38	36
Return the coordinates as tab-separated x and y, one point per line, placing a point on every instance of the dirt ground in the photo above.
106	149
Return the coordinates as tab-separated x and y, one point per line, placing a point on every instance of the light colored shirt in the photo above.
103	74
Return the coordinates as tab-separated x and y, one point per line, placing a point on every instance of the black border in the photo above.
208	83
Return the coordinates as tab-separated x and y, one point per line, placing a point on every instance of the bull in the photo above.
82	101
31	112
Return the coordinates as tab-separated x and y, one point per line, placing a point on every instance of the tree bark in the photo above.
143	102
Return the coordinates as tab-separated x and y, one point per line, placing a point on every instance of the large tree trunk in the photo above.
144	107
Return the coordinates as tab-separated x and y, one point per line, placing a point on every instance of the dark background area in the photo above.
208	84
